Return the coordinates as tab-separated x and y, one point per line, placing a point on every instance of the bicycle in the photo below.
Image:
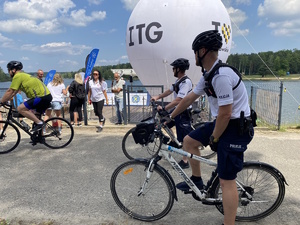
146	191
50	134
133	150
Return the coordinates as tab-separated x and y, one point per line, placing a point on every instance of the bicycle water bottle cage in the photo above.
143	131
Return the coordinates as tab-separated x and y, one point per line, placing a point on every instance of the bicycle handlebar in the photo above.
5	105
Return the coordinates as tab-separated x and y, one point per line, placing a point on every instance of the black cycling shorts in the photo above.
40	104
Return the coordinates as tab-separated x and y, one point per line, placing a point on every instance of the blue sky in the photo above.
58	34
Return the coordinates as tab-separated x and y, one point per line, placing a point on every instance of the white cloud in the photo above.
24	58
57	48
279	9
79	17
281	16
124	57
227	3
68	63
129	4
45	17
237	17
95	2
285	28
27	25
244	2
37	9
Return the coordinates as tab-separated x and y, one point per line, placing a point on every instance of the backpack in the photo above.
209	90
176	85
80	91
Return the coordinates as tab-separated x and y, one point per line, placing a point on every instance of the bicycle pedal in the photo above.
188	192
204	202
33	143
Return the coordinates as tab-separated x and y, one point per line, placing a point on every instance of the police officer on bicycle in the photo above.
231	131
37	92
180	88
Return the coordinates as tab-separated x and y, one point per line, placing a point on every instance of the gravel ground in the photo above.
71	185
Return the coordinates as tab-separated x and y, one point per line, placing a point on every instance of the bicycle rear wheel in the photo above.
265	186
206	152
153	203
57	133
9	137
133	151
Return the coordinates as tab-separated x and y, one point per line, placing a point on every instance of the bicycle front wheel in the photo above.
133	151
205	152
9	137
57	133
265	187
143	200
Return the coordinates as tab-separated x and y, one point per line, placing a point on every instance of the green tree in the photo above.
3	76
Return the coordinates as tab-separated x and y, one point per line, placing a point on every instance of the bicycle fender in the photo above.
268	166
166	173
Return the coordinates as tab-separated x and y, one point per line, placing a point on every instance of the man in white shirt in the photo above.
181	88
117	89
232	129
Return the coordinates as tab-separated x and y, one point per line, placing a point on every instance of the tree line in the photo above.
280	63
106	72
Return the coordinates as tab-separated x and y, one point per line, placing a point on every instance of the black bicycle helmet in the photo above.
210	39
14	65
181	63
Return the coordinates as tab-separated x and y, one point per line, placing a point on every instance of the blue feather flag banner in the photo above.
90	62
49	77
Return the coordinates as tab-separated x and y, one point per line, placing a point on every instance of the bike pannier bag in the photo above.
143	131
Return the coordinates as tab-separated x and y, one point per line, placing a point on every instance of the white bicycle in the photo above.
145	190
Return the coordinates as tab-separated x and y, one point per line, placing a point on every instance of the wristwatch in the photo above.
213	139
171	118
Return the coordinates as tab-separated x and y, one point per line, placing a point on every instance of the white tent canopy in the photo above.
122	72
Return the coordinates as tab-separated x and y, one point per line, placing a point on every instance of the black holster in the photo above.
244	124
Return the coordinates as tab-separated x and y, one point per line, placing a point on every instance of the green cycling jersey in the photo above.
30	85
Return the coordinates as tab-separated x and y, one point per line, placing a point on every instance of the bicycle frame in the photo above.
11	119
202	195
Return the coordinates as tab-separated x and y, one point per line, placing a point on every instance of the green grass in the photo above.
272	77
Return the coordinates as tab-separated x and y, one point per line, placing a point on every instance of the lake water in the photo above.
290	103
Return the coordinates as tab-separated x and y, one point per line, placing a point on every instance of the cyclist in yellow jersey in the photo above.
38	94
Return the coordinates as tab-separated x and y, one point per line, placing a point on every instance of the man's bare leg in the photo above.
230	200
192	146
28	114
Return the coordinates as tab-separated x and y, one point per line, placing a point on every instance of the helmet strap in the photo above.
201	58
176	73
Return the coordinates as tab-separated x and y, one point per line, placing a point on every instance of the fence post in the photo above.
85	111
280	104
124	105
112	107
251	97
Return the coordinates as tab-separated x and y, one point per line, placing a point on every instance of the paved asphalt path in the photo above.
71	186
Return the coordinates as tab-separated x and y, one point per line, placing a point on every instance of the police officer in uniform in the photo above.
231	131
180	88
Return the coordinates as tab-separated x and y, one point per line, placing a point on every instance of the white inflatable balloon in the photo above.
160	31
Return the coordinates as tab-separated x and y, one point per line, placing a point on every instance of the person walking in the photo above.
57	89
77	96
231	131
96	95
182	86
117	89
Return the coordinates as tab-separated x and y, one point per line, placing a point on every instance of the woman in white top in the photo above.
56	88
96	95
